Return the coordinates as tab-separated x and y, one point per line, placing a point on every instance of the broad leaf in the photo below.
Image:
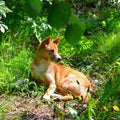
32	8
59	14
75	30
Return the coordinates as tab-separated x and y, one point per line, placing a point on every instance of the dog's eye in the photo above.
52	51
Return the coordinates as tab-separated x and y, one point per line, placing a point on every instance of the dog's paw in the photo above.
46	97
56	97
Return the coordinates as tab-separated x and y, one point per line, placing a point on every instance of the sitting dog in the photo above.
67	81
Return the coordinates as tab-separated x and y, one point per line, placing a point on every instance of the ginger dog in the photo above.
68	82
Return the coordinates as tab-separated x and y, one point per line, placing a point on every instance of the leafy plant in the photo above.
33	8
94	34
59	14
74	30
109	45
3	10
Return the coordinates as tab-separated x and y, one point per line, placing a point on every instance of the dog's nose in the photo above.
58	59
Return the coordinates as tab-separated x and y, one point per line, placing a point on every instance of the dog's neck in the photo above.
40	58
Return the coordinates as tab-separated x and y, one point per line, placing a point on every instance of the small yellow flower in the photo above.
78	97
116	108
105	108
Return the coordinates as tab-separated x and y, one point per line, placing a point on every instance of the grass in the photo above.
108	45
15	63
96	56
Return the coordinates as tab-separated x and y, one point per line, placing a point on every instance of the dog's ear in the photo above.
56	41
45	42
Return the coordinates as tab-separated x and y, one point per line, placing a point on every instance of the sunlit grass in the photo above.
83	47
14	62
108	44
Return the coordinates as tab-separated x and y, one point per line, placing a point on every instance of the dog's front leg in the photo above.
52	87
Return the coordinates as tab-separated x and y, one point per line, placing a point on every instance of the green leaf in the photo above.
74	32
32	8
72	111
74	19
3	28
59	14
4	9
91	112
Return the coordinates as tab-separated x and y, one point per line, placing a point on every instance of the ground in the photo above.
27	108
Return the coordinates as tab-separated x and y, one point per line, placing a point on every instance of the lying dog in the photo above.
68	82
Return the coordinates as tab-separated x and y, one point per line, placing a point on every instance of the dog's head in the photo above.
51	49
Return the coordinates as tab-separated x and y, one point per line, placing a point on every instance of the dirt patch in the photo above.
27	108
24	108
38	114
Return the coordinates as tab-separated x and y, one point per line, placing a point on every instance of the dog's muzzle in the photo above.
58	58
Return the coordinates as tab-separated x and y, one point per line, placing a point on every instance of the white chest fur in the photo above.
38	71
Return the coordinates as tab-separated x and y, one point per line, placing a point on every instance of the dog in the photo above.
65	80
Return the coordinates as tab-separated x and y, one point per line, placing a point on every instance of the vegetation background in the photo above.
90	42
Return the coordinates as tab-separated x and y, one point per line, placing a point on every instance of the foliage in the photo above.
32	8
61	11
3	10
75	25
12	58
109	46
86	17
95	49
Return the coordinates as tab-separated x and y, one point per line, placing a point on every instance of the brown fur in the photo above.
67	81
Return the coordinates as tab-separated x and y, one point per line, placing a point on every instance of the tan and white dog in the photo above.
67	81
